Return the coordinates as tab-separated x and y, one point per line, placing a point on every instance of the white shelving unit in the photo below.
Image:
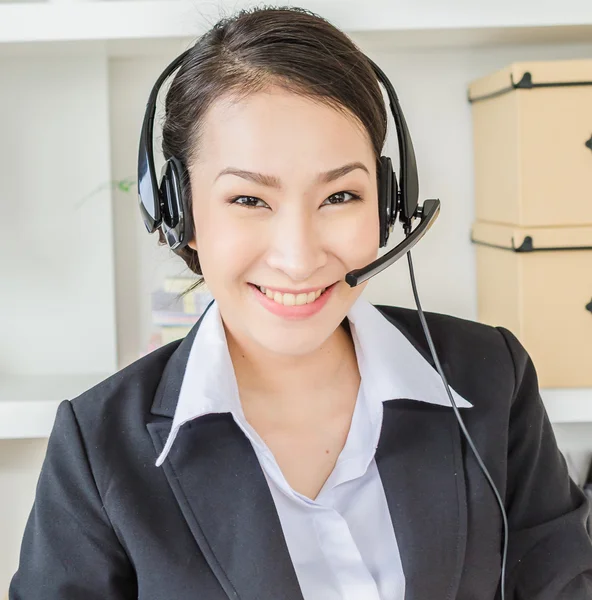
28	404
139	19
76	264
125	25
568	405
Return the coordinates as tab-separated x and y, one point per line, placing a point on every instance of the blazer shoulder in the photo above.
129	389
444	328
475	356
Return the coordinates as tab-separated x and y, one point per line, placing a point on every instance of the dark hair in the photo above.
285	46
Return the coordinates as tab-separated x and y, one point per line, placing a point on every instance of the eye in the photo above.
251	201
339	195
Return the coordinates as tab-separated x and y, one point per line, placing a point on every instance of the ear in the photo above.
192	243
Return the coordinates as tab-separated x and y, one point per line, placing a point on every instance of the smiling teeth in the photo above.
292	299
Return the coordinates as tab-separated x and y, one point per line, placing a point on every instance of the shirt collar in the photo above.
390	366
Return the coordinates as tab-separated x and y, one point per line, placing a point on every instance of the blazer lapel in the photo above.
420	463
420	460
223	494
217	480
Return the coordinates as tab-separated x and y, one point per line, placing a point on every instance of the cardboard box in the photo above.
537	282
532	140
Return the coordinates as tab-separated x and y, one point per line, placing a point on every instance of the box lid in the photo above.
531	239
531	74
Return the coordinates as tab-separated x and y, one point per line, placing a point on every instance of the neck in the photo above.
290	386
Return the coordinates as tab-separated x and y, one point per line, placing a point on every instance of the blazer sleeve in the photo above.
549	549
69	549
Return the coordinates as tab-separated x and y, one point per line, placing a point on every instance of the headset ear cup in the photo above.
395	201
387	198
187	220
380	166
177	222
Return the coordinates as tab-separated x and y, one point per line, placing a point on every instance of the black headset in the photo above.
163	206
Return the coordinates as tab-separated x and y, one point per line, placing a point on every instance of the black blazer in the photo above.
107	524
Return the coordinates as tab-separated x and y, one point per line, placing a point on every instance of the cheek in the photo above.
369	232
224	246
358	238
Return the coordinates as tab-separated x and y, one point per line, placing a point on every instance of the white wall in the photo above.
57	308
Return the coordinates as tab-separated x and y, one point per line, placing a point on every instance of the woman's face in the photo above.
299	234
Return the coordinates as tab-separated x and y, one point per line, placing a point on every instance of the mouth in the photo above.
293	299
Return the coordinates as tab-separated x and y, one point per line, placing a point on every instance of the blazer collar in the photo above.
391	367
221	490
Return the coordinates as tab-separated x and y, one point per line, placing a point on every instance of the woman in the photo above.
299	443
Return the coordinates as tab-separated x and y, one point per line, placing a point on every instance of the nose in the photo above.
296	245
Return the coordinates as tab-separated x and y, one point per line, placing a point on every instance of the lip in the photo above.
295	292
294	312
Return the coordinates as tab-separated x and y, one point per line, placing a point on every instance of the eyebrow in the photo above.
272	181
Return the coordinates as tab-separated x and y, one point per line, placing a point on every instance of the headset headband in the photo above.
149	198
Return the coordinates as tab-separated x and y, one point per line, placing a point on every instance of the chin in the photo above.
302	340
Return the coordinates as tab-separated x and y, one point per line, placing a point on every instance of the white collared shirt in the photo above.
342	544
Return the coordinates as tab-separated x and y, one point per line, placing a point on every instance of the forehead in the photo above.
278	125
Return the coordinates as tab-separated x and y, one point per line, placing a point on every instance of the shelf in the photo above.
125	26
28	404
568	405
